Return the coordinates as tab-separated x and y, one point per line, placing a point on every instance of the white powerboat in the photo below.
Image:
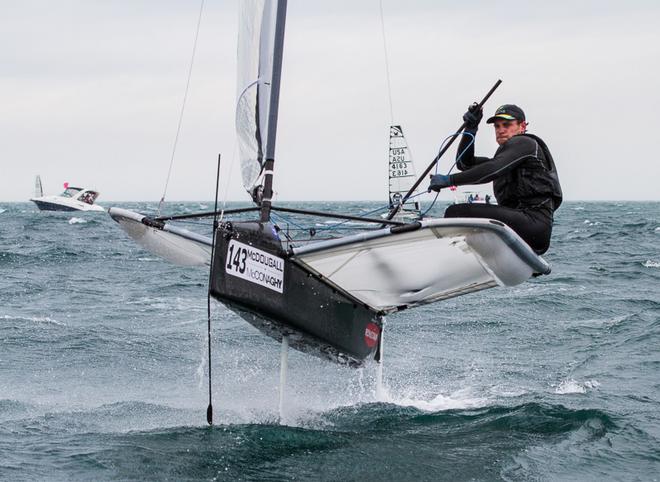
72	199
472	197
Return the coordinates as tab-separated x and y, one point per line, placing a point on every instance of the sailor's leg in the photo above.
534	226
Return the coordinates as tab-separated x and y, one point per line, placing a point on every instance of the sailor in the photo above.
523	173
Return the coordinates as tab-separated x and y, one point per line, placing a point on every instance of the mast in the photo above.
278	48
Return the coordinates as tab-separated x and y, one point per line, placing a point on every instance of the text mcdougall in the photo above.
255	265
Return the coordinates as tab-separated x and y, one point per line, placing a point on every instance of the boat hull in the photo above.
59	203
49	206
282	298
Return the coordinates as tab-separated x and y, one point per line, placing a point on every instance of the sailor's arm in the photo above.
466	147
507	157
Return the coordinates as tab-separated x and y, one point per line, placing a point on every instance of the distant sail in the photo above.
401	173
38	189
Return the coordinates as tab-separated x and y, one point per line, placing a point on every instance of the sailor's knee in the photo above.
457	211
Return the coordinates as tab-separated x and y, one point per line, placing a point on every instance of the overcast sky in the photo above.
90	93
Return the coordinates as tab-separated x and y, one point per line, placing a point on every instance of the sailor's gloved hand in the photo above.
473	116
439	181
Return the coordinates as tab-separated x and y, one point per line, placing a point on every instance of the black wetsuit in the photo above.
525	183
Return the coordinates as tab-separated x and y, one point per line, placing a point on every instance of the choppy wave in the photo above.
571	386
459	400
592	223
75	220
13	409
9	257
400	443
33	319
103	368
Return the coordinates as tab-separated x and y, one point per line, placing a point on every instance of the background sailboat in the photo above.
38	188
402	176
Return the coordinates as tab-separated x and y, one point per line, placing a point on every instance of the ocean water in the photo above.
103	367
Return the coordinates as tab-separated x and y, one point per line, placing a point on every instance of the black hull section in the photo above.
280	297
46	206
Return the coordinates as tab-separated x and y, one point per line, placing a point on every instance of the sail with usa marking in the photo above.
402	175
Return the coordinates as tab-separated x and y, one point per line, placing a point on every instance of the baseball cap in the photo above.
507	112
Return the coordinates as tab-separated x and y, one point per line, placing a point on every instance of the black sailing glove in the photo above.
439	181
472	117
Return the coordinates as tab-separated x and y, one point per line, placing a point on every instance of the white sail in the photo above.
401	172
38	189
256	38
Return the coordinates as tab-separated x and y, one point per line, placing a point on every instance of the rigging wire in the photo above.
183	107
389	83
387	64
338	225
229	176
458	158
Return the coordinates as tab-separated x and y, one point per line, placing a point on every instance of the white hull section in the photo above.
442	259
389	269
177	245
